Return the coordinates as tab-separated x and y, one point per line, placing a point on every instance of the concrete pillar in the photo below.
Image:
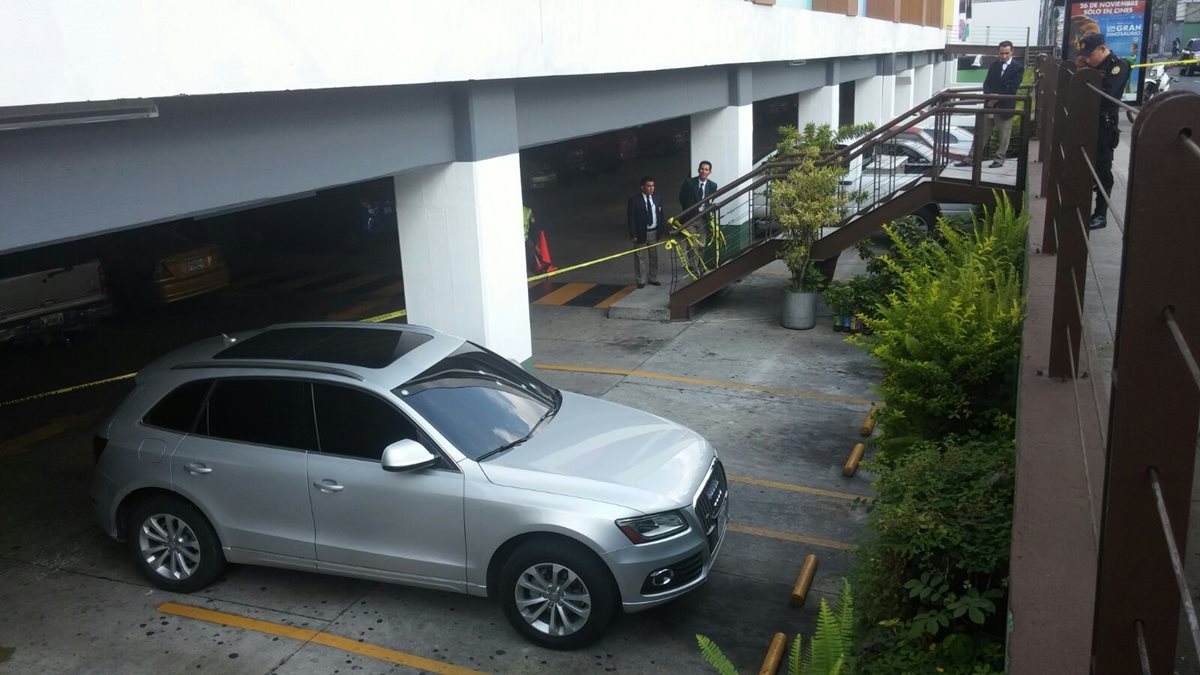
923	83
905	96
819	106
869	99
725	136
461	238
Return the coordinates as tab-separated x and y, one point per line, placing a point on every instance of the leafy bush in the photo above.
932	570
948	335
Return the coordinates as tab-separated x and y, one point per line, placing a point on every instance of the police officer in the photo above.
1095	53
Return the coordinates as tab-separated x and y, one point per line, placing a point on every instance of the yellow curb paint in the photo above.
816	395
309	635
774	655
358	310
852	462
788	536
612	299
820	492
800	588
360	280
563	295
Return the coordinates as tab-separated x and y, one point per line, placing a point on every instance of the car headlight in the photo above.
650	528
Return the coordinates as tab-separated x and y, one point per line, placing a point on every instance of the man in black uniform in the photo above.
1095	53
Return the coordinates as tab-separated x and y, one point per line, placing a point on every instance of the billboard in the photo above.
1125	25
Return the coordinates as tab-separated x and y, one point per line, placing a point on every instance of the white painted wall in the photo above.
463	252
724	137
904	93
54	51
819	106
869	100
923	83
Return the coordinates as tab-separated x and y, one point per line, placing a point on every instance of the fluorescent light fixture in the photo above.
797	63
62	114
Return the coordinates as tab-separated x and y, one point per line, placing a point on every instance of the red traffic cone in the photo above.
543	251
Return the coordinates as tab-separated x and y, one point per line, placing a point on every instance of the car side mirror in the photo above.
407	455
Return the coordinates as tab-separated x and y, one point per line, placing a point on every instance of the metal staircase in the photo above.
899	176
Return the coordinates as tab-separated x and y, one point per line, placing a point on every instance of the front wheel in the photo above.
174	545
561	597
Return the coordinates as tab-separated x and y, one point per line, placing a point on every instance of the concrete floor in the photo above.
782	407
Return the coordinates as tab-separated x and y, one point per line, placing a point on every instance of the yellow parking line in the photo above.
357	311
788	536
25	440
563	295
797	488
711	383
389	290
608	302
309	635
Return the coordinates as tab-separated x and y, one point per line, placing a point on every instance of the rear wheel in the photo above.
174	544
927	217
560	597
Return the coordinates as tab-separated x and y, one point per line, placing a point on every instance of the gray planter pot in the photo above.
799	310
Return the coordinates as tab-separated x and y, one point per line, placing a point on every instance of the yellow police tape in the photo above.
690	239
1163	63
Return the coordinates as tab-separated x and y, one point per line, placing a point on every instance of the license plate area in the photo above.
196	265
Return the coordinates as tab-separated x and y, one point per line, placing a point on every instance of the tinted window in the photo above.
353	346
177	410
357	424
263	411
478	400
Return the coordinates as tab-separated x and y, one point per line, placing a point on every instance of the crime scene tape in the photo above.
1164	63
668	243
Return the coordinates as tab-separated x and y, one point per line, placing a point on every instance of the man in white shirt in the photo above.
644	216
1004	76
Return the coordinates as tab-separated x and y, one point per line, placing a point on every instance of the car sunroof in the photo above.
361	347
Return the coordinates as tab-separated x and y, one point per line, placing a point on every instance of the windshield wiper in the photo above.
512	444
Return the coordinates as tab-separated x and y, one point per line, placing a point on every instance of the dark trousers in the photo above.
1105	144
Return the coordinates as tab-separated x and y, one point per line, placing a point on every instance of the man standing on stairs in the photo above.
644	215
694	191
1004	76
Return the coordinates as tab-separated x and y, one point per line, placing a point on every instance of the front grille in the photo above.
684	572
709	503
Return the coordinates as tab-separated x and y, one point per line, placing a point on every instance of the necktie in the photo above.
649	213
702	189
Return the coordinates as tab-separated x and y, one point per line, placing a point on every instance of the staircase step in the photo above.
644	304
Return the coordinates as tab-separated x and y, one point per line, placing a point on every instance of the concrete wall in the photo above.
77	50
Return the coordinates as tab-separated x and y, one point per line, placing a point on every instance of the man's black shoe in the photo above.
641	285
996	164
655	283
962	163
1099	222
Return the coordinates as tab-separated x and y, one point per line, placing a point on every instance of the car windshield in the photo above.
481	402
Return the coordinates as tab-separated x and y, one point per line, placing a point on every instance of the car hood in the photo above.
608	452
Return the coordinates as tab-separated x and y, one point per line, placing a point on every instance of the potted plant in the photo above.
839	298
804	200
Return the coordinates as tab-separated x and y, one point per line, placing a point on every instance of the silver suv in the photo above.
401	454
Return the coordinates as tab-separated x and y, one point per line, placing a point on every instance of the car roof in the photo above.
384	354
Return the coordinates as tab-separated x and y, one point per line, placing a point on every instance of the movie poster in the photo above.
1123	23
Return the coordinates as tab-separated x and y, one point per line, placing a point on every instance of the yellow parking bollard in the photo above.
855	457
869	424
800	589
770	664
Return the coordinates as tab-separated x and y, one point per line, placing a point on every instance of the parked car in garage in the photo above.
157	265
50	292
401	454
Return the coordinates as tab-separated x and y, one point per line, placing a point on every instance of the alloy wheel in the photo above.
169	547
553	599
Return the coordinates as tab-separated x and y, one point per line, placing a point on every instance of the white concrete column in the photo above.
724	137
869	99
819	106
905	97
923	83
463	252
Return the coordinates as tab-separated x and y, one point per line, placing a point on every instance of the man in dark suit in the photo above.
644	215
693	191
1004	76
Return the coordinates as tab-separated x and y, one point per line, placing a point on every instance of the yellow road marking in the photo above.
309	635
360	280
25	440
788	536
386	317
797	488
359	310
563	295
615	297
390	289
711	383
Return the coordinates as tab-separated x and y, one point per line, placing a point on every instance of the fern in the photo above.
794	661
715	657
826	654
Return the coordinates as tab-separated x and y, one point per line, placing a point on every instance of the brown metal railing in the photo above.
1149	431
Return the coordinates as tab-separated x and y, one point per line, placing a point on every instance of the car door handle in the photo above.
329	486
197	469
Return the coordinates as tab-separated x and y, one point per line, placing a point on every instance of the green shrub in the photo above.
948	335
931	572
